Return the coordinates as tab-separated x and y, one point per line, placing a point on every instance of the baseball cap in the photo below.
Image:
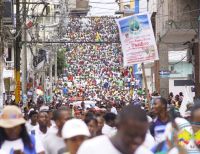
11	116
74	127
44	108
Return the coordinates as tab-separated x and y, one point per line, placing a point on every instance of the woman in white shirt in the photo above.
14	136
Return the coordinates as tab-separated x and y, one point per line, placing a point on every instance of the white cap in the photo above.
44	108
74	127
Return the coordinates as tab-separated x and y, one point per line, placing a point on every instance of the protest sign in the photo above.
137	38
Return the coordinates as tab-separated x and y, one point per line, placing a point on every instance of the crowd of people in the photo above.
92	29
129	129
99	107
94	71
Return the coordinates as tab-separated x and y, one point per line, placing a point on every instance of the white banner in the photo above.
137	38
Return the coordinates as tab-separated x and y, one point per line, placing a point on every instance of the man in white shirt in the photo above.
53	142
42	130
114	110
132	128
32	124
109	125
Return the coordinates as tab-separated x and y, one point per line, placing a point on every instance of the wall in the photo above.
182	70
177	89
183	13
176	14
162	9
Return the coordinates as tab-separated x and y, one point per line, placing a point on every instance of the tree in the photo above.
61	61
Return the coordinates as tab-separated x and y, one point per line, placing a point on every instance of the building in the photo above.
42	22
78	7
176	29
175	24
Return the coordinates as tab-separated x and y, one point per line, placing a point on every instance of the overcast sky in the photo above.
100	8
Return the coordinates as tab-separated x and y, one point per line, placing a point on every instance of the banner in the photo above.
137	38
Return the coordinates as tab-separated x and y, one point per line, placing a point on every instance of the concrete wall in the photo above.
183	13
161	18
176	14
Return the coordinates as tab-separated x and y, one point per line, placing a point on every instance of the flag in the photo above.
98	37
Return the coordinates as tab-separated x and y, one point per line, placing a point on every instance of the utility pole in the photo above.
1	54
50	74
197	62
147	5
24	54
17	53
196	69
55	63
44	72
156	62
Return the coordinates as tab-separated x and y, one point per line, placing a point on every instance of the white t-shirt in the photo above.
40	135
2	152
30	127
108	131
103	145
98	145
53	129
149	141
143	150
7	146
114	110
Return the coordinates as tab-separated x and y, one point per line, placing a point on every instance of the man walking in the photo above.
132	126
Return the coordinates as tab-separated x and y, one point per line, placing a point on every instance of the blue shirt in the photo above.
65	90
157	129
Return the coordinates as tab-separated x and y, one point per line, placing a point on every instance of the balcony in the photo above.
78	7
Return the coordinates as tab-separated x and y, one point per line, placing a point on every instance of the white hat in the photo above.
44	108
75	127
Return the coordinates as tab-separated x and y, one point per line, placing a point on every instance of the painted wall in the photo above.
181	70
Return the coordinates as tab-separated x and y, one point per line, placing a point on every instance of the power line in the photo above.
102	8
180	60
111	2
72	42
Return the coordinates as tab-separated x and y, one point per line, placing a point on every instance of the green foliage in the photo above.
60	61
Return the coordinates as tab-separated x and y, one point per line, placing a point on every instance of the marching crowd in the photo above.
94	70
91	29
98	107
128	129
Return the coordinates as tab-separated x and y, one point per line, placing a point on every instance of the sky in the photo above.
103	7
100	8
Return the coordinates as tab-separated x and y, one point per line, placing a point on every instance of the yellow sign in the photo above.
17	86
132	4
